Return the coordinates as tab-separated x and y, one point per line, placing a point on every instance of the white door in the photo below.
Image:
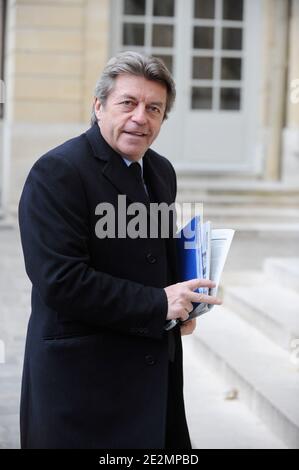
212	48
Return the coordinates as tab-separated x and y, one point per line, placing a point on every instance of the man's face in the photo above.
132	116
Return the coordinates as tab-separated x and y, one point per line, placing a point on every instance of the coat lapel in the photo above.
154	179
115	169
162	193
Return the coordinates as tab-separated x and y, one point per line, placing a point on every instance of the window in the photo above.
212	32
2	45
217	55
212	49
149	26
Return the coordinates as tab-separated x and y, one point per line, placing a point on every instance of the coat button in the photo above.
150	360
150	258
143	331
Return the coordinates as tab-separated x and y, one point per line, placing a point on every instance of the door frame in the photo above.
252	165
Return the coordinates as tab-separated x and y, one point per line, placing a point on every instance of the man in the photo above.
100	370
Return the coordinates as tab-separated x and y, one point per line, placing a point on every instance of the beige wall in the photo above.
56	50
59	48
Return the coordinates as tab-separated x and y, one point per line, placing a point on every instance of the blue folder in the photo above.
190	251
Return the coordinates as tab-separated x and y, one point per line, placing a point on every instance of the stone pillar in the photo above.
6	124
291	158
276	37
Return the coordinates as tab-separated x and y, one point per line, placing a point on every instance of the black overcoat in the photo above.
96	359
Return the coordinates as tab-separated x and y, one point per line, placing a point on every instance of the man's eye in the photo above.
155	109
128	103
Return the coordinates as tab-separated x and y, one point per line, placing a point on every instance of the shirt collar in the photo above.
128	162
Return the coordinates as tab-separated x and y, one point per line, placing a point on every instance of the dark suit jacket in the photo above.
96	360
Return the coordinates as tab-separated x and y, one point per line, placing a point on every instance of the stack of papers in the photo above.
202	253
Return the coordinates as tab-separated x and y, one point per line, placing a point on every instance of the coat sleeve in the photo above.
54	226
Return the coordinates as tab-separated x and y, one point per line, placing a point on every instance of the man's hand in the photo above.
181	295
188	327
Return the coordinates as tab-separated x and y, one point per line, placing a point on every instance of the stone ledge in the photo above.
261	371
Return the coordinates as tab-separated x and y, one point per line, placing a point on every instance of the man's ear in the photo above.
97	107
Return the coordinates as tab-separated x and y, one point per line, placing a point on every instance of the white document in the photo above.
220	242
206	252
213	249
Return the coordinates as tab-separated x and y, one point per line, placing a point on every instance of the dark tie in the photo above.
136	170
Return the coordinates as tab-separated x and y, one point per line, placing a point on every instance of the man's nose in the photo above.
139	114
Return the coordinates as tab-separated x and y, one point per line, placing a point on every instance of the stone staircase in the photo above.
244	205
252	342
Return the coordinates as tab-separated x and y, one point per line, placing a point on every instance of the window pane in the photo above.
133	34
168	61
163	7
162	35
134	7
232	38
231	69
233	10
202	98
230	98
204	8
203	37
203	67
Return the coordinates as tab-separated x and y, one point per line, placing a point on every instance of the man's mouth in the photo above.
136	134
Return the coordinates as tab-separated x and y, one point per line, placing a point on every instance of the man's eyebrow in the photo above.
131	97
128	97
157	103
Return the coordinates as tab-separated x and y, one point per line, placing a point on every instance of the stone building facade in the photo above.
235	62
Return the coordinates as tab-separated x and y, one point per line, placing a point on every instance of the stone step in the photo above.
284	271
271	308
250	225
260	372
238	193
252	211
237	186
215	421
237	200
7	221
250	218
253	226
245	218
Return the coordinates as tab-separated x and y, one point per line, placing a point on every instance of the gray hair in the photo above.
137	64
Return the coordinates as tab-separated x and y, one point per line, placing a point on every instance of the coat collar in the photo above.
117	172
